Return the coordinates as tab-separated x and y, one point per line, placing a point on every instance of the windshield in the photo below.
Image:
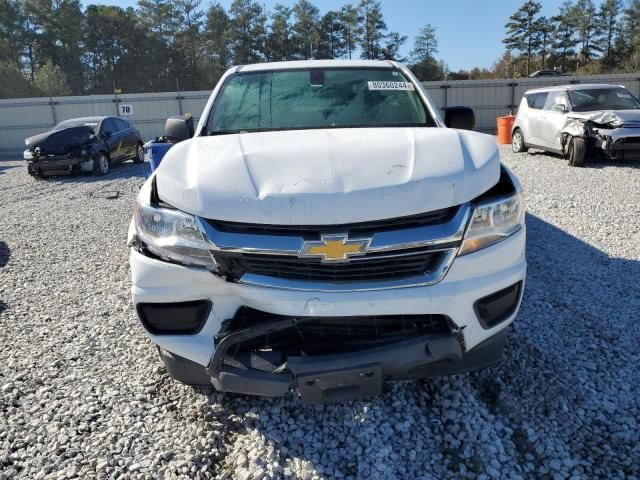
316	98
592	99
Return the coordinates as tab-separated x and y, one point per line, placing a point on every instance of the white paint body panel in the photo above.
327	176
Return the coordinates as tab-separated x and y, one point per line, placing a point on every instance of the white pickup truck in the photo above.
325	230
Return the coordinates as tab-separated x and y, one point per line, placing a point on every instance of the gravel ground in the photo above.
83	393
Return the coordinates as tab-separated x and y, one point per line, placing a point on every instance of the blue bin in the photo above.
156	152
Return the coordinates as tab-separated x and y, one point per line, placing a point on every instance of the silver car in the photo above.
579	121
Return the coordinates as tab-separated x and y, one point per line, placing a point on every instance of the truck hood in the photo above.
327	176
612	118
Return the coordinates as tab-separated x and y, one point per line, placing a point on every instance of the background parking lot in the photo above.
84	394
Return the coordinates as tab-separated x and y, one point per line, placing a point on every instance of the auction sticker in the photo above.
375	85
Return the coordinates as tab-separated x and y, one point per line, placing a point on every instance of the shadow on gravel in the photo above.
123	170
5	253
3	168
564	401
570	377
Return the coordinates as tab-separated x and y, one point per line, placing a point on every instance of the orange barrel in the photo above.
504	129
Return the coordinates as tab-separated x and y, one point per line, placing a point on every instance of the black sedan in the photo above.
88	144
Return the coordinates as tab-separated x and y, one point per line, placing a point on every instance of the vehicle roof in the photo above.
85	119
574	86
301	64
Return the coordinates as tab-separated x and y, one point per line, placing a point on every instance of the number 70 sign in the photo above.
126	109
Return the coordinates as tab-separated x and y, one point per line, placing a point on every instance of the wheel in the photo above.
517	142
139	157
184	370
101	164
577	151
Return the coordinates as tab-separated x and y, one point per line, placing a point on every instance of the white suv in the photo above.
579	120
324	230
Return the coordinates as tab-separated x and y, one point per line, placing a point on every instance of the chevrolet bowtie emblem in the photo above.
334	248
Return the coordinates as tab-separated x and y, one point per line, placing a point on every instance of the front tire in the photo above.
139	156
577	151
517	142
100	164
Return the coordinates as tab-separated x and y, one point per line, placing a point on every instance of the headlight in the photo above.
492	222
27	154
172	235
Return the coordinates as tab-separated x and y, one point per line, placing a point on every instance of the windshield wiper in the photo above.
211	134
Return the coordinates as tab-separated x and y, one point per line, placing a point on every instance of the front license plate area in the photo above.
339	385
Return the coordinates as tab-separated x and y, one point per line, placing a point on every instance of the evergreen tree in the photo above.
630	36
522	31
51	80
14	84
351	30
12	32
391	50
373	29
545	29
564	40
588	29
54	40
159	19
331	44
305	29
425	45
188	49
279	39
217	38
106	40
248	31
609	19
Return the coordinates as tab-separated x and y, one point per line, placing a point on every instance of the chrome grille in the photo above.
406	251
372	266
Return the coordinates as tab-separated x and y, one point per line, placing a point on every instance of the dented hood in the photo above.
61	141
327	176
613	118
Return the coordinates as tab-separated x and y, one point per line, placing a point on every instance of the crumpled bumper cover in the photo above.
355	375
57	165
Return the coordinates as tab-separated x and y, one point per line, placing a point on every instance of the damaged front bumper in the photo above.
621	143
323	346
344	376
59	164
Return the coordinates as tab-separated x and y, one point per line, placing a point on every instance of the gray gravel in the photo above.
83	393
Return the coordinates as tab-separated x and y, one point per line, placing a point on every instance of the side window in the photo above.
536	100
108	127
530	99
120	124
557	101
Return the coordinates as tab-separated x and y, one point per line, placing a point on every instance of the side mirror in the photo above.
460	117
178	128
560	108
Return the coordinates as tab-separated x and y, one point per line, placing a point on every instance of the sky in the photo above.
469	32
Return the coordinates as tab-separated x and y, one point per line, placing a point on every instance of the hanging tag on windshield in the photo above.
379	85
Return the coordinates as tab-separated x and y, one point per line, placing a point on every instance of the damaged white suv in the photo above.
324	230
579	121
